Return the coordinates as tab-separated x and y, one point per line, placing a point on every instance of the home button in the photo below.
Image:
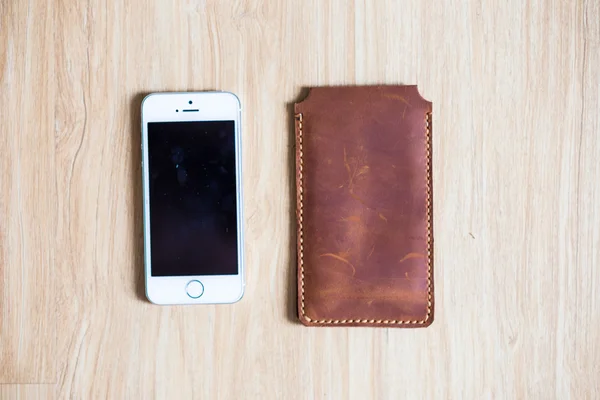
194	289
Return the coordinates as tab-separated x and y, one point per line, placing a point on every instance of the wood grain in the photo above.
515	89
29	392
28	199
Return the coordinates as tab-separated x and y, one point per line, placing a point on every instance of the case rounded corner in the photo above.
420	96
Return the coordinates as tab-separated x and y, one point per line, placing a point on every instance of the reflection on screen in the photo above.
193	229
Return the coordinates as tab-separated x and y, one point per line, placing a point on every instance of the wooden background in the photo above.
515	89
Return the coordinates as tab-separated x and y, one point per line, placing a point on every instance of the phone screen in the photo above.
193	213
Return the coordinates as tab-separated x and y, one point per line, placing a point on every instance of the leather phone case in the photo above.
364	207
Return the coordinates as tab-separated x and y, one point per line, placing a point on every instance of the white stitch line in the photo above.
428	215
428	210
300	216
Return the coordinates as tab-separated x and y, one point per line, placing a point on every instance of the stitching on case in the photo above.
428	212
300	215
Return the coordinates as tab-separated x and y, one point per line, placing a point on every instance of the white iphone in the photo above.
191	171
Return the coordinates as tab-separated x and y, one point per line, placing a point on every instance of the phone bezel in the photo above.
211	106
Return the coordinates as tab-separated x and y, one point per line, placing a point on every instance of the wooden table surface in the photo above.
516	161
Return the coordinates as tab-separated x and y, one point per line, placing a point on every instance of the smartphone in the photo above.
192	180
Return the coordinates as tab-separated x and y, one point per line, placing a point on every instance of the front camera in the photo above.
190	102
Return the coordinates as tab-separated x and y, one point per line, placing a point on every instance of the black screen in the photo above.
193	214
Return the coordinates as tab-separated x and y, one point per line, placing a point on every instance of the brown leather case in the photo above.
364	207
